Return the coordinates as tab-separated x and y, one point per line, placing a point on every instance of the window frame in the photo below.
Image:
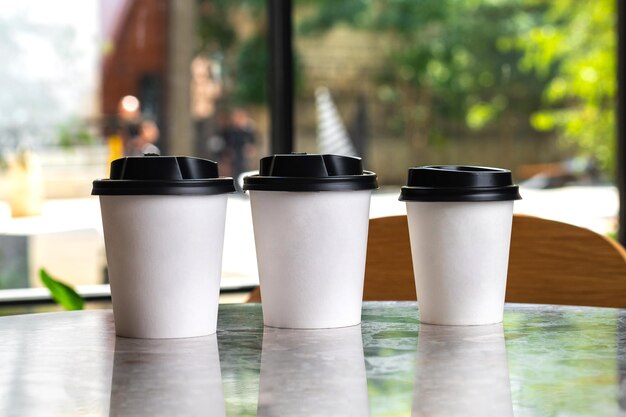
281	91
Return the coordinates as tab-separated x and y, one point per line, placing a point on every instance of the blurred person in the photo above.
206	89
239	138
215	144
144	142
128	120
138	135
120	128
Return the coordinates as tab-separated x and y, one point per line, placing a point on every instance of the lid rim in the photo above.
460	198
205	186
465	169
367	181
504	193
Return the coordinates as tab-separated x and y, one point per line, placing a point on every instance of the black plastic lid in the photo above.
309	172
459	183
163	175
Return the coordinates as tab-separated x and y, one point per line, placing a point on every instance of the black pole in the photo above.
621	121
280	75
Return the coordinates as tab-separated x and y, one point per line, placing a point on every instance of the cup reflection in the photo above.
313	373
461	371
167	377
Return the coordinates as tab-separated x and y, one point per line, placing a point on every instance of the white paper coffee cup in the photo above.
311	255
311	240
313	373
164	250
461	371
460	229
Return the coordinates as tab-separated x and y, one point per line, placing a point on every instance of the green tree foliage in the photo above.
252	62
244	60
446	69
215	27
574	48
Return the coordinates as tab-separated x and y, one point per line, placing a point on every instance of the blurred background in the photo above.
528	85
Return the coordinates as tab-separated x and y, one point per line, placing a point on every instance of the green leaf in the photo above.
542	121
62	293
479	114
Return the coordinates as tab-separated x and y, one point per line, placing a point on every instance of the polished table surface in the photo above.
543	361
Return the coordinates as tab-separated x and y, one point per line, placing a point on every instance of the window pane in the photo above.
86	82
525	85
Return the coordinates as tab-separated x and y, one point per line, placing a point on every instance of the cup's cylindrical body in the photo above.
311	255
460	257
164	255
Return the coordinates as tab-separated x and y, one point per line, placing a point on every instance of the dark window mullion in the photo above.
281	75
621	120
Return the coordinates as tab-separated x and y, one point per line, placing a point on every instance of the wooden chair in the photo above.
558	263
550	263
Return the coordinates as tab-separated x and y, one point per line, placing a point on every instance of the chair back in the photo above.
550	263
559	263
388	266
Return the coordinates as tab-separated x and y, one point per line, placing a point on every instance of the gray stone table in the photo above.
543	361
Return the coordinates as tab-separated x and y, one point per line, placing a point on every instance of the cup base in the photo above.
325	326
162	337
445	323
